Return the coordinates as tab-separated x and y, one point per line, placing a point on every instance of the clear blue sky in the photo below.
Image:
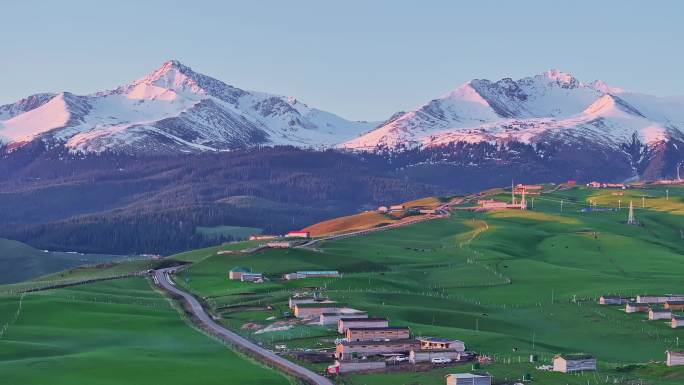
360	59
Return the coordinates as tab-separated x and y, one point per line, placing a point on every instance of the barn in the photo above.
346	350
568	363
658	313
334	318
373	334
345	324
612	300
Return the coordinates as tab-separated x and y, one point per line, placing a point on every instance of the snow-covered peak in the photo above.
562	78
611	106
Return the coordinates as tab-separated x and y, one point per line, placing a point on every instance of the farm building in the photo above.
427	211
311	274
529	189
674	358
372	334
674	305
568	363
298	234
428	355
236	272
346	350
334	318
429	343
261	237
311	310
677	321
383	209
397	208
659	298
633	307
315	298
279	245
656	314
612	300
252	277
491	204
345	324
468	379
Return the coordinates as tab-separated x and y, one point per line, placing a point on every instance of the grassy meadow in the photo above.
111	333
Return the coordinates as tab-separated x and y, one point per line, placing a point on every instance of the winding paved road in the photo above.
163	279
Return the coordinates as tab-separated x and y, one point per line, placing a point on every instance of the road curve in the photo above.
163	279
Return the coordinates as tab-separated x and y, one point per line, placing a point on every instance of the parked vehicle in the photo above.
440	360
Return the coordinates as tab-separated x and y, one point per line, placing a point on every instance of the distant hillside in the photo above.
21	262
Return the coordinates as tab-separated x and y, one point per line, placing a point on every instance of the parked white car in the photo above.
400	359
440	360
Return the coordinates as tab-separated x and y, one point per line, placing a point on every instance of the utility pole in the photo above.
512	193
630	219
643	201
532	203
561	205
523	202
667	194
619	204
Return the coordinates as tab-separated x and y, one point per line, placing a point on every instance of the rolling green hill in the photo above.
21	262
508	283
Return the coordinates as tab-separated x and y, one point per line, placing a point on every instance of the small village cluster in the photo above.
523	190
658	307
370	343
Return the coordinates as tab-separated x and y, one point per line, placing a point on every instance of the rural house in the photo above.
252	277
430	343
373	334
633	307
674	358
674	305
236	272
468	379
568	363
345	324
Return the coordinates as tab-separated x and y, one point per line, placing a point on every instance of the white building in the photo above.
468	379
675	358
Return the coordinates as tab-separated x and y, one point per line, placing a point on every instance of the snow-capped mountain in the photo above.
550	106
172	109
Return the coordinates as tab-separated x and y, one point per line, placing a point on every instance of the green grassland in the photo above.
21	262
508	283
116	332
